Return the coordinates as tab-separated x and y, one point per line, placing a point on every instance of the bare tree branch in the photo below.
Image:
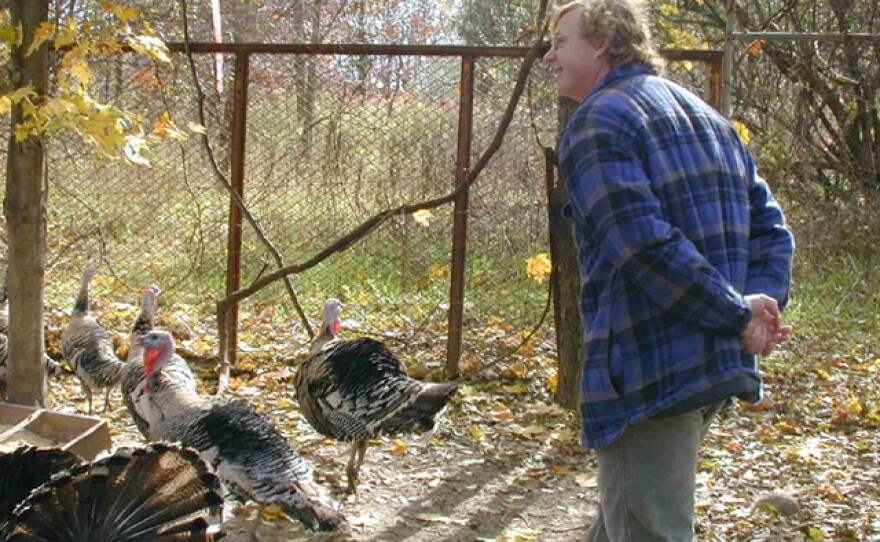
258	229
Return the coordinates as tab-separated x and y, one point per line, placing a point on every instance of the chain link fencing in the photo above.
331	141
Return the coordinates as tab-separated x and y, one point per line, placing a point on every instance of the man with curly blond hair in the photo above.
685	264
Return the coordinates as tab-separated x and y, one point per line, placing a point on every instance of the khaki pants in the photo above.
647	480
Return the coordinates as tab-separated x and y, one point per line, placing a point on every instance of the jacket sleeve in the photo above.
611	193
771	245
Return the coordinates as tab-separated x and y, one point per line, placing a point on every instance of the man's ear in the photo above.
601	50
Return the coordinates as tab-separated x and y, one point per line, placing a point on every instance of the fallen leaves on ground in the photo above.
505	464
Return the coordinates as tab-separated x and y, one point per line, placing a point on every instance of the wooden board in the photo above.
85	436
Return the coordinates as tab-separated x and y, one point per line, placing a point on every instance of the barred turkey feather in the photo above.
88	348
157	493
248	453
355	390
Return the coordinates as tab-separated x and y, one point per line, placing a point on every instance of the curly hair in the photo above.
620	23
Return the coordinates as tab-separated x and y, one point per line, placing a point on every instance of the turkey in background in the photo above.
247	452
158	493
88	348
355	390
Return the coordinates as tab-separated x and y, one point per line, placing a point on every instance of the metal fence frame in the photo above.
468	56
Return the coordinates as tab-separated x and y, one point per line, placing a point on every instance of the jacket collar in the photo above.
625	71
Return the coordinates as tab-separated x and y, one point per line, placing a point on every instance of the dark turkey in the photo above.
248	453
355	390
158	493
88	348
132	379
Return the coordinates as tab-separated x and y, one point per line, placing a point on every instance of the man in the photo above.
685	261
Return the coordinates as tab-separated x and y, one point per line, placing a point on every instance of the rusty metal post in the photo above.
233	249
716	80
459	227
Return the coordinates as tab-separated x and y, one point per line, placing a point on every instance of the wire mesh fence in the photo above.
331	140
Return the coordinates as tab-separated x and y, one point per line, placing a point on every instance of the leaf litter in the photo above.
504	464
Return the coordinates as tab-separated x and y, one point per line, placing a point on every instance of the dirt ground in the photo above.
504	478
449	490
504	465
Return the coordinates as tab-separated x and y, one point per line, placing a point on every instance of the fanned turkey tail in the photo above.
25	469
432	399
158	493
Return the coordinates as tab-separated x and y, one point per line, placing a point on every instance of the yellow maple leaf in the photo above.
68	34
166	128
744	133
422	217
104	130
10	34
855	406
438	271
82	71
272	512
123	13
538	267
196	128
41	34
20	94
59	106
477	432
399	447
149	46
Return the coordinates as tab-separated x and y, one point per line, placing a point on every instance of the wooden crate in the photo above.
85	436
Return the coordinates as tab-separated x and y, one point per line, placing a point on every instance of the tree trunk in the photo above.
25	209
566	285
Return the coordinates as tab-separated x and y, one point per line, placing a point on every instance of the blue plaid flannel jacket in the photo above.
674	227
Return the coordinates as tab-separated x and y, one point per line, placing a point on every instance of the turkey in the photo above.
251	457
132	378
88	348
355	390
157	493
